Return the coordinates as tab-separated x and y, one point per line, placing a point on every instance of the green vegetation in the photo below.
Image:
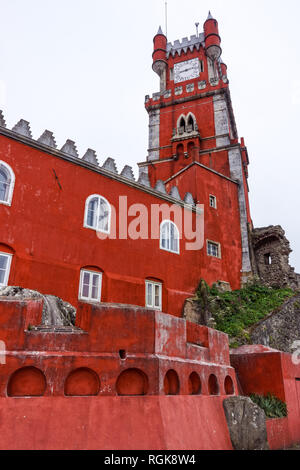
272	406
235	312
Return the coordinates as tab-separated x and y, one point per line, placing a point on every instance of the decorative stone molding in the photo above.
127	172
110	165
90	156
23	128
2	120
70	148
160	186
175	193
47	138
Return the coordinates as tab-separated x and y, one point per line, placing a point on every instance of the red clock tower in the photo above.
193	139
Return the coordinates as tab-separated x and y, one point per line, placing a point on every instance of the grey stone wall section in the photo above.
246	423
236	171
271	242
281	329
221	120
154	125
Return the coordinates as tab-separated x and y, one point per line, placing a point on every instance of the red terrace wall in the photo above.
120	423
152	343
44	226
262	370
259	373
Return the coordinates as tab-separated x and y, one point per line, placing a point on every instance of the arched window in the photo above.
7	181
182	125
97	213
190	124
169	236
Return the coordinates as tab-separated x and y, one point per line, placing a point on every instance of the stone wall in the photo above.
281	329
271	251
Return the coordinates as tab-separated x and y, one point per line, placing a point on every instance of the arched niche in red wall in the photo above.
213	385
27	382
171	383
82	382
194	384
228	385
132	382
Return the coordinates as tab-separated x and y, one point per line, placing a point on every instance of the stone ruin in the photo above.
57	314
271	250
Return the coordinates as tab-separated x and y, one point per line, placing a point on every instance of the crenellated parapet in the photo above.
47	143
185	45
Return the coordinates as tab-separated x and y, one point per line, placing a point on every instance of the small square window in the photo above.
90	285
213	201
213	249
153	295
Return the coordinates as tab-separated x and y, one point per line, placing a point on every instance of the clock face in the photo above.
187	70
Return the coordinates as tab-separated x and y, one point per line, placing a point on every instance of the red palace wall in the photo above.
44	229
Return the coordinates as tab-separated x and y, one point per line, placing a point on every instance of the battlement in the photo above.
185	44
47	143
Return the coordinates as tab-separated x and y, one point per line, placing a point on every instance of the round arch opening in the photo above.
194	384
27	382
132	382
228	385
213	385
82	382
171	383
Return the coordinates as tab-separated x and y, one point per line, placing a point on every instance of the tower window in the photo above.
169	237
90	285
190	124
5	263
154	295
268	259
213	249
97	213
182	126
213	201
7	181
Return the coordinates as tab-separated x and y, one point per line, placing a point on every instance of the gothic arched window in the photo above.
97	213
182	126
7	181
190	124
169	236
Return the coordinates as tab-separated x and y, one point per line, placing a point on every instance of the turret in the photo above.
212	38
160	58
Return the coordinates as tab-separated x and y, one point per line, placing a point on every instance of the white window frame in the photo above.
214	206
89	298
216	244
97	228
8	200
152	304
7	270
176	231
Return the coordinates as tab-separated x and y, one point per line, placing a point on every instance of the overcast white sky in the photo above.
81	68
